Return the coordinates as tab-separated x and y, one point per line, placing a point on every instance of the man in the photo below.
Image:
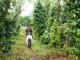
29	30
29	36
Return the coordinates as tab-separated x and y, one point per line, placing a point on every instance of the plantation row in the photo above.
57	23
9	23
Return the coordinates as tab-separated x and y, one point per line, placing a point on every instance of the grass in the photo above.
41	49
19	50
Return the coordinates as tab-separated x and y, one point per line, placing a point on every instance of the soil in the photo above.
54	56
34	56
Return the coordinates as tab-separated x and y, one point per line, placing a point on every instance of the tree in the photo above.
39	19
24	21
73	31
8	23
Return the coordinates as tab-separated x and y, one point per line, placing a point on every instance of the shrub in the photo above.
45	38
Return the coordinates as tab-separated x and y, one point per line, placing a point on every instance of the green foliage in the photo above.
73	22
55	32
59	23
8	24
39	20
24	21
45	39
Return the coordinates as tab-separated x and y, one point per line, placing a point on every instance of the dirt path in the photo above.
34	56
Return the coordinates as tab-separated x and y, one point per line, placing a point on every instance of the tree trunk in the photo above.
67	40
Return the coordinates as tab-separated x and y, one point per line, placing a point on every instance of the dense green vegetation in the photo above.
55	25
9	25
60	26
24	21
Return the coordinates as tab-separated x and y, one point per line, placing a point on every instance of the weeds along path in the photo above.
38	51
22	52
19	49
33	55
